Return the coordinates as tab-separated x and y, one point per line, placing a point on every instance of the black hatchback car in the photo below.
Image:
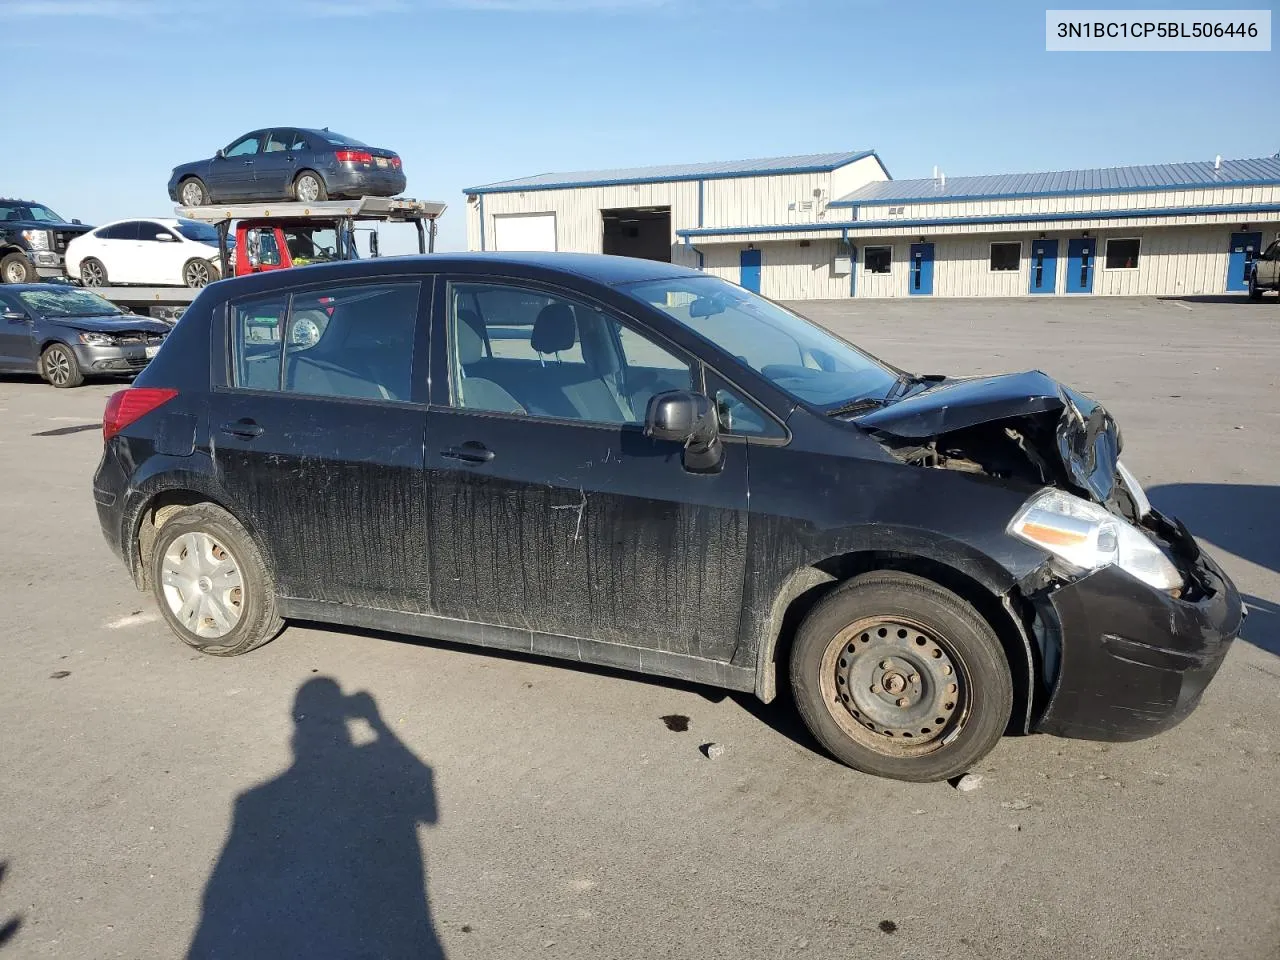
289	163
633	464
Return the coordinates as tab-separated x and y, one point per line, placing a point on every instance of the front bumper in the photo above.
48	263
126	358
1134	660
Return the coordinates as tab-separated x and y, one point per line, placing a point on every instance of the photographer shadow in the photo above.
324	860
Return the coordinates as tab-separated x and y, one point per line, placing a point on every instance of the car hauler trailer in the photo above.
276	236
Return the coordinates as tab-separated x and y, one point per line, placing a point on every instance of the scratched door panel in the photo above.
586	530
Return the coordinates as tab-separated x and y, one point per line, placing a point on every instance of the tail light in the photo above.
395	162
354	156
126	406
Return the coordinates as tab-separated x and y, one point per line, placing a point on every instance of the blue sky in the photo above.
116	92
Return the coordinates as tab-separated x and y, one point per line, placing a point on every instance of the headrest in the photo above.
555	329
470	333
597	346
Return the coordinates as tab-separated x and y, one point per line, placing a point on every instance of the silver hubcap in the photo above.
197	274
91	274
57	366
192	194
202	585
15	273
308	189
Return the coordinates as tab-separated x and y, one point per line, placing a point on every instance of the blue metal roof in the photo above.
1160	176
769	166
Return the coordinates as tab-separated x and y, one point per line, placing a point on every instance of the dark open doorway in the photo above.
638	232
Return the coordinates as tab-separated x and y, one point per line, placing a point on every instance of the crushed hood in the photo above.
1087	438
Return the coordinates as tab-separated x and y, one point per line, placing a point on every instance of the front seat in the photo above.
558	326
478	393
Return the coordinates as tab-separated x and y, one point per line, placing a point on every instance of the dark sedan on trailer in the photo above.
632	464
65	334
289	163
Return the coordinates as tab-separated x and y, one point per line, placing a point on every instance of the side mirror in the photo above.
77	221
373	245
689	418
220	154
165	237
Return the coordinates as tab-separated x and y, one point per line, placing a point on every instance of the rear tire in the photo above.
58	365
16	268
211	583
92	272
940	705
308	187
198	273
192	193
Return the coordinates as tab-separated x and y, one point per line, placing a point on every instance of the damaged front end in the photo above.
1131	618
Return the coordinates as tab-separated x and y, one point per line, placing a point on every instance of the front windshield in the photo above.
37	212
311	244
794	354
199	232
68	303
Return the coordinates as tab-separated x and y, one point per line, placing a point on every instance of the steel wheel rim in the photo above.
865	697
57	366
308	189
192	195
91	274
202	585
15	273
197	274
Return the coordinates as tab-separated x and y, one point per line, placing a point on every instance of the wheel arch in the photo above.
1001	604
293	184
144	521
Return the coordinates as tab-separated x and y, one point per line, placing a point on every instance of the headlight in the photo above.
36	239
1087	537
98	339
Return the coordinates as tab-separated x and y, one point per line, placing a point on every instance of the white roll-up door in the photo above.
525	231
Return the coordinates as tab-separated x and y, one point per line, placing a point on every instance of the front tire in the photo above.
309	188
192	193
58	365
1255	291
898	677
16	268
211	583
92	272
197	273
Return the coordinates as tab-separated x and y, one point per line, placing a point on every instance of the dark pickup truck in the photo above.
33	241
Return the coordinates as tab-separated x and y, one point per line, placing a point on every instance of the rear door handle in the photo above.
469	452
244	429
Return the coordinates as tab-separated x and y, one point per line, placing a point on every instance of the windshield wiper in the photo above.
860	405
906	381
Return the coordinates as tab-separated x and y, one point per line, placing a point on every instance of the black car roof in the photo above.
599	268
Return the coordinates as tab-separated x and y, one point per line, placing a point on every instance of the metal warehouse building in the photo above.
837	225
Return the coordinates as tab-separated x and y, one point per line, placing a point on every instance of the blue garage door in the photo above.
749	262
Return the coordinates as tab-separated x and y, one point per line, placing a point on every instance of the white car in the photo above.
161	252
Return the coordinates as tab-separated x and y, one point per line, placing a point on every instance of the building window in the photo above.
1123	254
877	259
1006	256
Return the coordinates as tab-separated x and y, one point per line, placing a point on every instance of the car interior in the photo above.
524	352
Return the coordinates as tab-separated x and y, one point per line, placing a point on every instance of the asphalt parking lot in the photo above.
557	815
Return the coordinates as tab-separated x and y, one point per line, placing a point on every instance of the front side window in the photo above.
1006	256
352	342
525	351
877	259
1123	254
311	244
242	148
794	354
740	416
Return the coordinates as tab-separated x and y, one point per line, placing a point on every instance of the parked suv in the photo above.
33	241
633	464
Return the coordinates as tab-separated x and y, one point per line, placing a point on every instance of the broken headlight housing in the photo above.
1087	537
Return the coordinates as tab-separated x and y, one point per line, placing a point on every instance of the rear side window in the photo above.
353	341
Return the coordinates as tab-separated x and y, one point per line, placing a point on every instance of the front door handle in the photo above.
469	452
244	429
